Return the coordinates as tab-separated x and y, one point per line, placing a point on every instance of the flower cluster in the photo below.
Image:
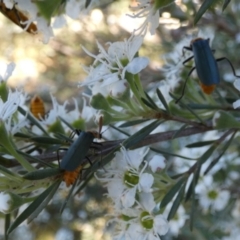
130	188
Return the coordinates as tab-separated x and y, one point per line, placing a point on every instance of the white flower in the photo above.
149	226
125	177
139	222
147	10
178	221
157	163
7	72
111	66
8	108
210	195
87	113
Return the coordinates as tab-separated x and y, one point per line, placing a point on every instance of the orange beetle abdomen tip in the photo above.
207	89
70	177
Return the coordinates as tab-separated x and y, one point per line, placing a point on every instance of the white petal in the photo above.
128	198
146	182
161	225
147	201
115	188
134	157
137	64
236	104
59	22
117	89
237	84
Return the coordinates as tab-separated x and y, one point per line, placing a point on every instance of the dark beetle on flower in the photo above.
205	65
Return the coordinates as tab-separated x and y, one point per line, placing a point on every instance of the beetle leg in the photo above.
187	48
224	58
184	86
187	60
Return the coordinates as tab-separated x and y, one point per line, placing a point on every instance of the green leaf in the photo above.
207	154
34	159
224	120
191	189
176	203
7	172
200	144
43	173
7	224
225	147
205	6
98	101
171	154
47	140
138	136
49	8
147	103
154	106
32	207
119	130
162	99
44	203
192	213
134	122
172	192
226	2
162	3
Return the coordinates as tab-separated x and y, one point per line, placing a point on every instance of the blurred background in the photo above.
56	68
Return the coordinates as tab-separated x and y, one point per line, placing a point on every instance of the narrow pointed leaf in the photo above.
135	138
223	120
207	154
192	186
119	130
176	203
47	140
162	99
205	6
31	208
7	225
225	147
41	174
200	144
43	204
172	192
148	104
225	4
134	122
192	213
151	101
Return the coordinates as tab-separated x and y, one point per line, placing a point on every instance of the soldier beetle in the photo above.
74	159
205	65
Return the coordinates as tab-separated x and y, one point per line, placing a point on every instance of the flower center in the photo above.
130	179
146	220
212	194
